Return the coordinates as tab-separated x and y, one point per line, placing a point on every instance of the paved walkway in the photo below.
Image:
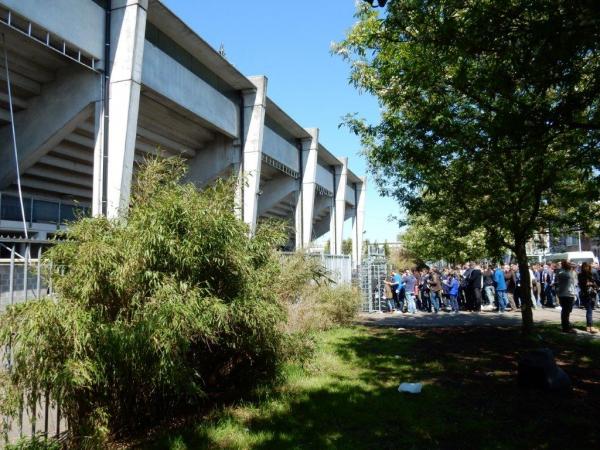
484	318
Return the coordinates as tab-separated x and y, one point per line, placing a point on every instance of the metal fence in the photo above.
23	277
372	274
339	267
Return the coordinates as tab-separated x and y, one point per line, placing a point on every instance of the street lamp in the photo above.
381	3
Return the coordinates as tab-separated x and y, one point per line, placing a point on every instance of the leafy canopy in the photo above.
489	113
489	110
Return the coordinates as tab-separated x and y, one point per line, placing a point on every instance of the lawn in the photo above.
347	397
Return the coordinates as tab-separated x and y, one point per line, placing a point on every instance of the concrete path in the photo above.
484	318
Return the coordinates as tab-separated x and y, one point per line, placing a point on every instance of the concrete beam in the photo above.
212	162
340	183
18	80
50	117
51	173
280	149
78	139
306	199
52	186
358	223
322	203
153	149
252	146
79	22
81	154
321	227
324	177
350	195
17	102
164	116
128	28
274	191
166	142
169	78
67	165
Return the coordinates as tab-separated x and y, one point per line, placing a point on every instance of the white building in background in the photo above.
81	134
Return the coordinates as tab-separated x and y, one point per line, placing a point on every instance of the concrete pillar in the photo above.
98	175
128	29
358	222
254	126
338	214
306	199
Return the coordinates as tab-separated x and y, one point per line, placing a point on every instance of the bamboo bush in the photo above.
153	312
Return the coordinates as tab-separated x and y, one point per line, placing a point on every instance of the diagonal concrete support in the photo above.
306	199
321	227
49	118
274	191
254	124
216	160
128	28
338	216
358	222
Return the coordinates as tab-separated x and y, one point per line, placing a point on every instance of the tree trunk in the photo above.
527	301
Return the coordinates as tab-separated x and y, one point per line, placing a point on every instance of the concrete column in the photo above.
306	199
98	175
254	125
358	222
128	29
338	214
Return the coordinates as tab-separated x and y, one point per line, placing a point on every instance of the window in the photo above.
11	208
44	211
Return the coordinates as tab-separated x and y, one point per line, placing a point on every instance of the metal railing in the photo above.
24	277
339	267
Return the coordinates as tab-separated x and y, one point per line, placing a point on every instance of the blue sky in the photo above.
289	41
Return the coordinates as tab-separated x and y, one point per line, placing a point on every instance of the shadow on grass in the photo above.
470	399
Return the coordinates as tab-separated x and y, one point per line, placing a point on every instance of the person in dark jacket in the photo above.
464	288
435	288
588	286
475	285
489	290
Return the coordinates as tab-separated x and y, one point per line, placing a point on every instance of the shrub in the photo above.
311	299
34	443
152	314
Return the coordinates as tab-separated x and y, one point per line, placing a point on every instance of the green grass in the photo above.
347	398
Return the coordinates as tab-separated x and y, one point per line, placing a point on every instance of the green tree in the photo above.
429	240
347	246
489	113
386	249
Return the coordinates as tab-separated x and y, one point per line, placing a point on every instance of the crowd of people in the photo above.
496	288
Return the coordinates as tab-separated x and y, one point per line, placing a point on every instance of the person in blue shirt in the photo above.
396	285
410	282
453	287
500	283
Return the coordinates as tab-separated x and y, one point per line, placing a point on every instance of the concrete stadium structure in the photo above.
82	125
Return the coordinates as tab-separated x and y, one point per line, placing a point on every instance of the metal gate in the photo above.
372	274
